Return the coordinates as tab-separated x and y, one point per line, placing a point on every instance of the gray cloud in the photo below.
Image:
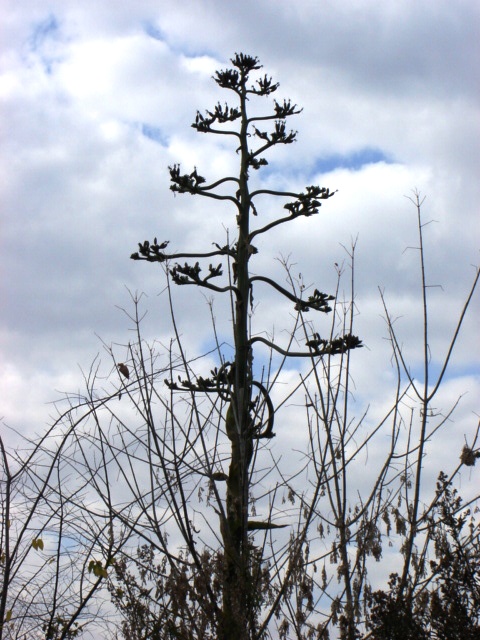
97	103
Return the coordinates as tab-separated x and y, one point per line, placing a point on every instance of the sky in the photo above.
97	99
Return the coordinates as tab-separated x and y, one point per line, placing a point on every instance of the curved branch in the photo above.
268	431
271	192
219	182
215	196
288	354
207	285
276	286
317	302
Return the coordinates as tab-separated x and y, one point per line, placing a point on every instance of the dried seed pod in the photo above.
123	369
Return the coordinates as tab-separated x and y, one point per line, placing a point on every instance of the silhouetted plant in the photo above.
235	382
447	605
172	482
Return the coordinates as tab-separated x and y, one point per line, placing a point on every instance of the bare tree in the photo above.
49	539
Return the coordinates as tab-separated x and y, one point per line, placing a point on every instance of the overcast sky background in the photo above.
97	101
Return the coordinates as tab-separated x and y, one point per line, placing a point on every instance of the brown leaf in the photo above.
123	370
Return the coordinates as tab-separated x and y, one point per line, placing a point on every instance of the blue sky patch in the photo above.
43	42
42	31
186	49
355	160
153	133
453	371
154	32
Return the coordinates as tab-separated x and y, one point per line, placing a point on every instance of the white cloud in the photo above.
83	184
97	102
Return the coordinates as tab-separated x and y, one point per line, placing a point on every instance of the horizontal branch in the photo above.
270	192
318	346
148	253
273	116
281	111
288	354
207	285
217	131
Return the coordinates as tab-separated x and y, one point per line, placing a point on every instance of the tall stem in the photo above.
424	401
236	591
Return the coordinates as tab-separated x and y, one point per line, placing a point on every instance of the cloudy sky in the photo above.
97	100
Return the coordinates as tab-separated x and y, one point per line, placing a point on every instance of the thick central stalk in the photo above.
237	583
